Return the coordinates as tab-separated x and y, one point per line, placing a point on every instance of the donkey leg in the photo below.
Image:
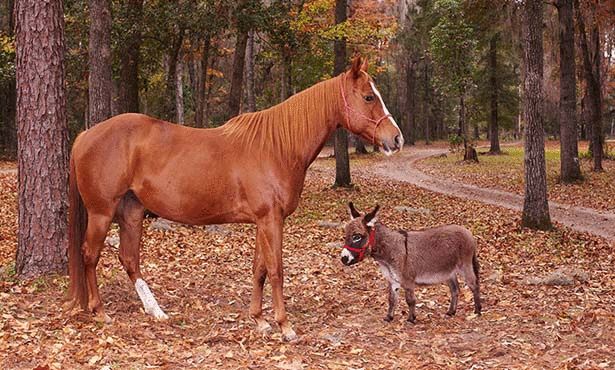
130	218
393	297
411	301
472	281
92	246
259	273
454	287
269	232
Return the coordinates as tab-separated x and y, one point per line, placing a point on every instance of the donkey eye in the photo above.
369	98
357	238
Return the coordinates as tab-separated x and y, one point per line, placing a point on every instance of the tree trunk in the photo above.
202	84
426	104
251	98
342	161
99	55
170	111
8	131
494	134
42	138
286	78
179	91
359	145
208	88
591	70
535	207
410	125
569	152
239	58
129	58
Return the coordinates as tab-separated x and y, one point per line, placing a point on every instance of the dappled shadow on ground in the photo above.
201	277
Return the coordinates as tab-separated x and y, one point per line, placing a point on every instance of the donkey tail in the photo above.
475	266
77	224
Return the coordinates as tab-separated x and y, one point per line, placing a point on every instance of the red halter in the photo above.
347	108
371	241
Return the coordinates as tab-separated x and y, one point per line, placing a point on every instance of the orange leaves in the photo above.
201	277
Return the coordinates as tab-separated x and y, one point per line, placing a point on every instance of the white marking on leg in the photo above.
346	252
386	112
150	305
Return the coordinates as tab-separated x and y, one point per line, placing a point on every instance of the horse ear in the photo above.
370	218
364	65
353	211
357	65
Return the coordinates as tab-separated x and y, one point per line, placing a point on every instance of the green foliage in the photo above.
453	47
7	58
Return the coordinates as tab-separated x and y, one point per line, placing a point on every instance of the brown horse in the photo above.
250	170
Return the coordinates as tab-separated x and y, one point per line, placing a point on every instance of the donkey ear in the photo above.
370	218
353	211
357	65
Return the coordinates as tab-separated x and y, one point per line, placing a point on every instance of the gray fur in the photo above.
427	257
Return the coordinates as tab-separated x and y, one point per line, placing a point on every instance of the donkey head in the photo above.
359	237
364	111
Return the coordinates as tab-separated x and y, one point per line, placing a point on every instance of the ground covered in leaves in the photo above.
505	172
201	277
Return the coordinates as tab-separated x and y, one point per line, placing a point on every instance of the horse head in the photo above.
364	111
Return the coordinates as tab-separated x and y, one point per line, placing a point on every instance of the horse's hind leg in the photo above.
92	246
130	214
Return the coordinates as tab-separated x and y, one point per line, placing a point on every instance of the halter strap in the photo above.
348	108
371	241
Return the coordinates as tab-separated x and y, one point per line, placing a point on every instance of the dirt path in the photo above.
401	167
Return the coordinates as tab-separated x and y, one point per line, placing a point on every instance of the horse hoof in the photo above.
263	327
161	316
103	318
450	314
290	336
388	318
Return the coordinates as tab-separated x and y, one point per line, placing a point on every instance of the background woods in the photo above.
445	67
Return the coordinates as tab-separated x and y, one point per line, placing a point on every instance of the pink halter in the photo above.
348	108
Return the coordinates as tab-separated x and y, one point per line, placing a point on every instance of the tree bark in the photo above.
359	145
129	58
410	125
591	70
342	161
251	98
239	58
179	91
535	208
170	111
42	138
99	55
569	152
8	131
286	78
202	84
494	134
426	104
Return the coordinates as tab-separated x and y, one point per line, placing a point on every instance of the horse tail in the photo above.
77	224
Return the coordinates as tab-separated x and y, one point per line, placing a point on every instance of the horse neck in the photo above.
294	131
318	108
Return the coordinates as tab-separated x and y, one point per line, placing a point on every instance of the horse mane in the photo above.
289	126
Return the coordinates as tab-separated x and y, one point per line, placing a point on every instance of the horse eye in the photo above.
357	238
368	98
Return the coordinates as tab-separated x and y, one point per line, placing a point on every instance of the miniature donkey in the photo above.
407	259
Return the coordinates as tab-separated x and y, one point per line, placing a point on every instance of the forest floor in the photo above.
201	277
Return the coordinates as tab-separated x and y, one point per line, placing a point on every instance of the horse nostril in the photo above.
345	260
398	141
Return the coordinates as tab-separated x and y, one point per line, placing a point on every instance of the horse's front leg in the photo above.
259	273
269	240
